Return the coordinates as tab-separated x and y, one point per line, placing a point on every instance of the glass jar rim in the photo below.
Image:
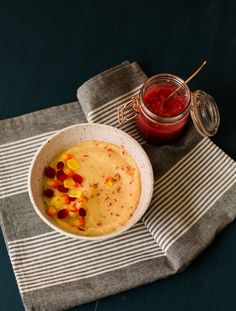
154	116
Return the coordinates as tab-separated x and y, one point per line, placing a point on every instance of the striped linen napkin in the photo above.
194	198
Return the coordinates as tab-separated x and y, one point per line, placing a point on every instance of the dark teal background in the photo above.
48	48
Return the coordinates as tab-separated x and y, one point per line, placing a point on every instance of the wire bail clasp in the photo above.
129	110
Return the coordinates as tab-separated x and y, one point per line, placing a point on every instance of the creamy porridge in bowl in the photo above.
90	181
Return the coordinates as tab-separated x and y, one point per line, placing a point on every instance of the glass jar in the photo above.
162	121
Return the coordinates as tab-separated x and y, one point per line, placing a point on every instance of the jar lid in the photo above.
204	113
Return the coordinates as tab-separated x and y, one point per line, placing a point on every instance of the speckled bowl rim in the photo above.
128	224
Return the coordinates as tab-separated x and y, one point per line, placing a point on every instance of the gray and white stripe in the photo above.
51	259
15	160
187	191
107	114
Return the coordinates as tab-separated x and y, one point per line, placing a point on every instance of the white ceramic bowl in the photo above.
71	135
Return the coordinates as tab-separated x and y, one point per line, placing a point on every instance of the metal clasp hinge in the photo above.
129	110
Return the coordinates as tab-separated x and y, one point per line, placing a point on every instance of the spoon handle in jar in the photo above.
186	81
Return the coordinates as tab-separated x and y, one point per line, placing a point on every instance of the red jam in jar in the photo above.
155	101
160	121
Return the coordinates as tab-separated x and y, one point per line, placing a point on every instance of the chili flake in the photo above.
109	181
95	185
118	189
116	177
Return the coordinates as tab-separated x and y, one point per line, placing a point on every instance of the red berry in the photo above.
49	172
72	198
82	212
60	165
77	178
61	188
48	193
61	176
62	213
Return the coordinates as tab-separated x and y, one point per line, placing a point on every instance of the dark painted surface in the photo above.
48	48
